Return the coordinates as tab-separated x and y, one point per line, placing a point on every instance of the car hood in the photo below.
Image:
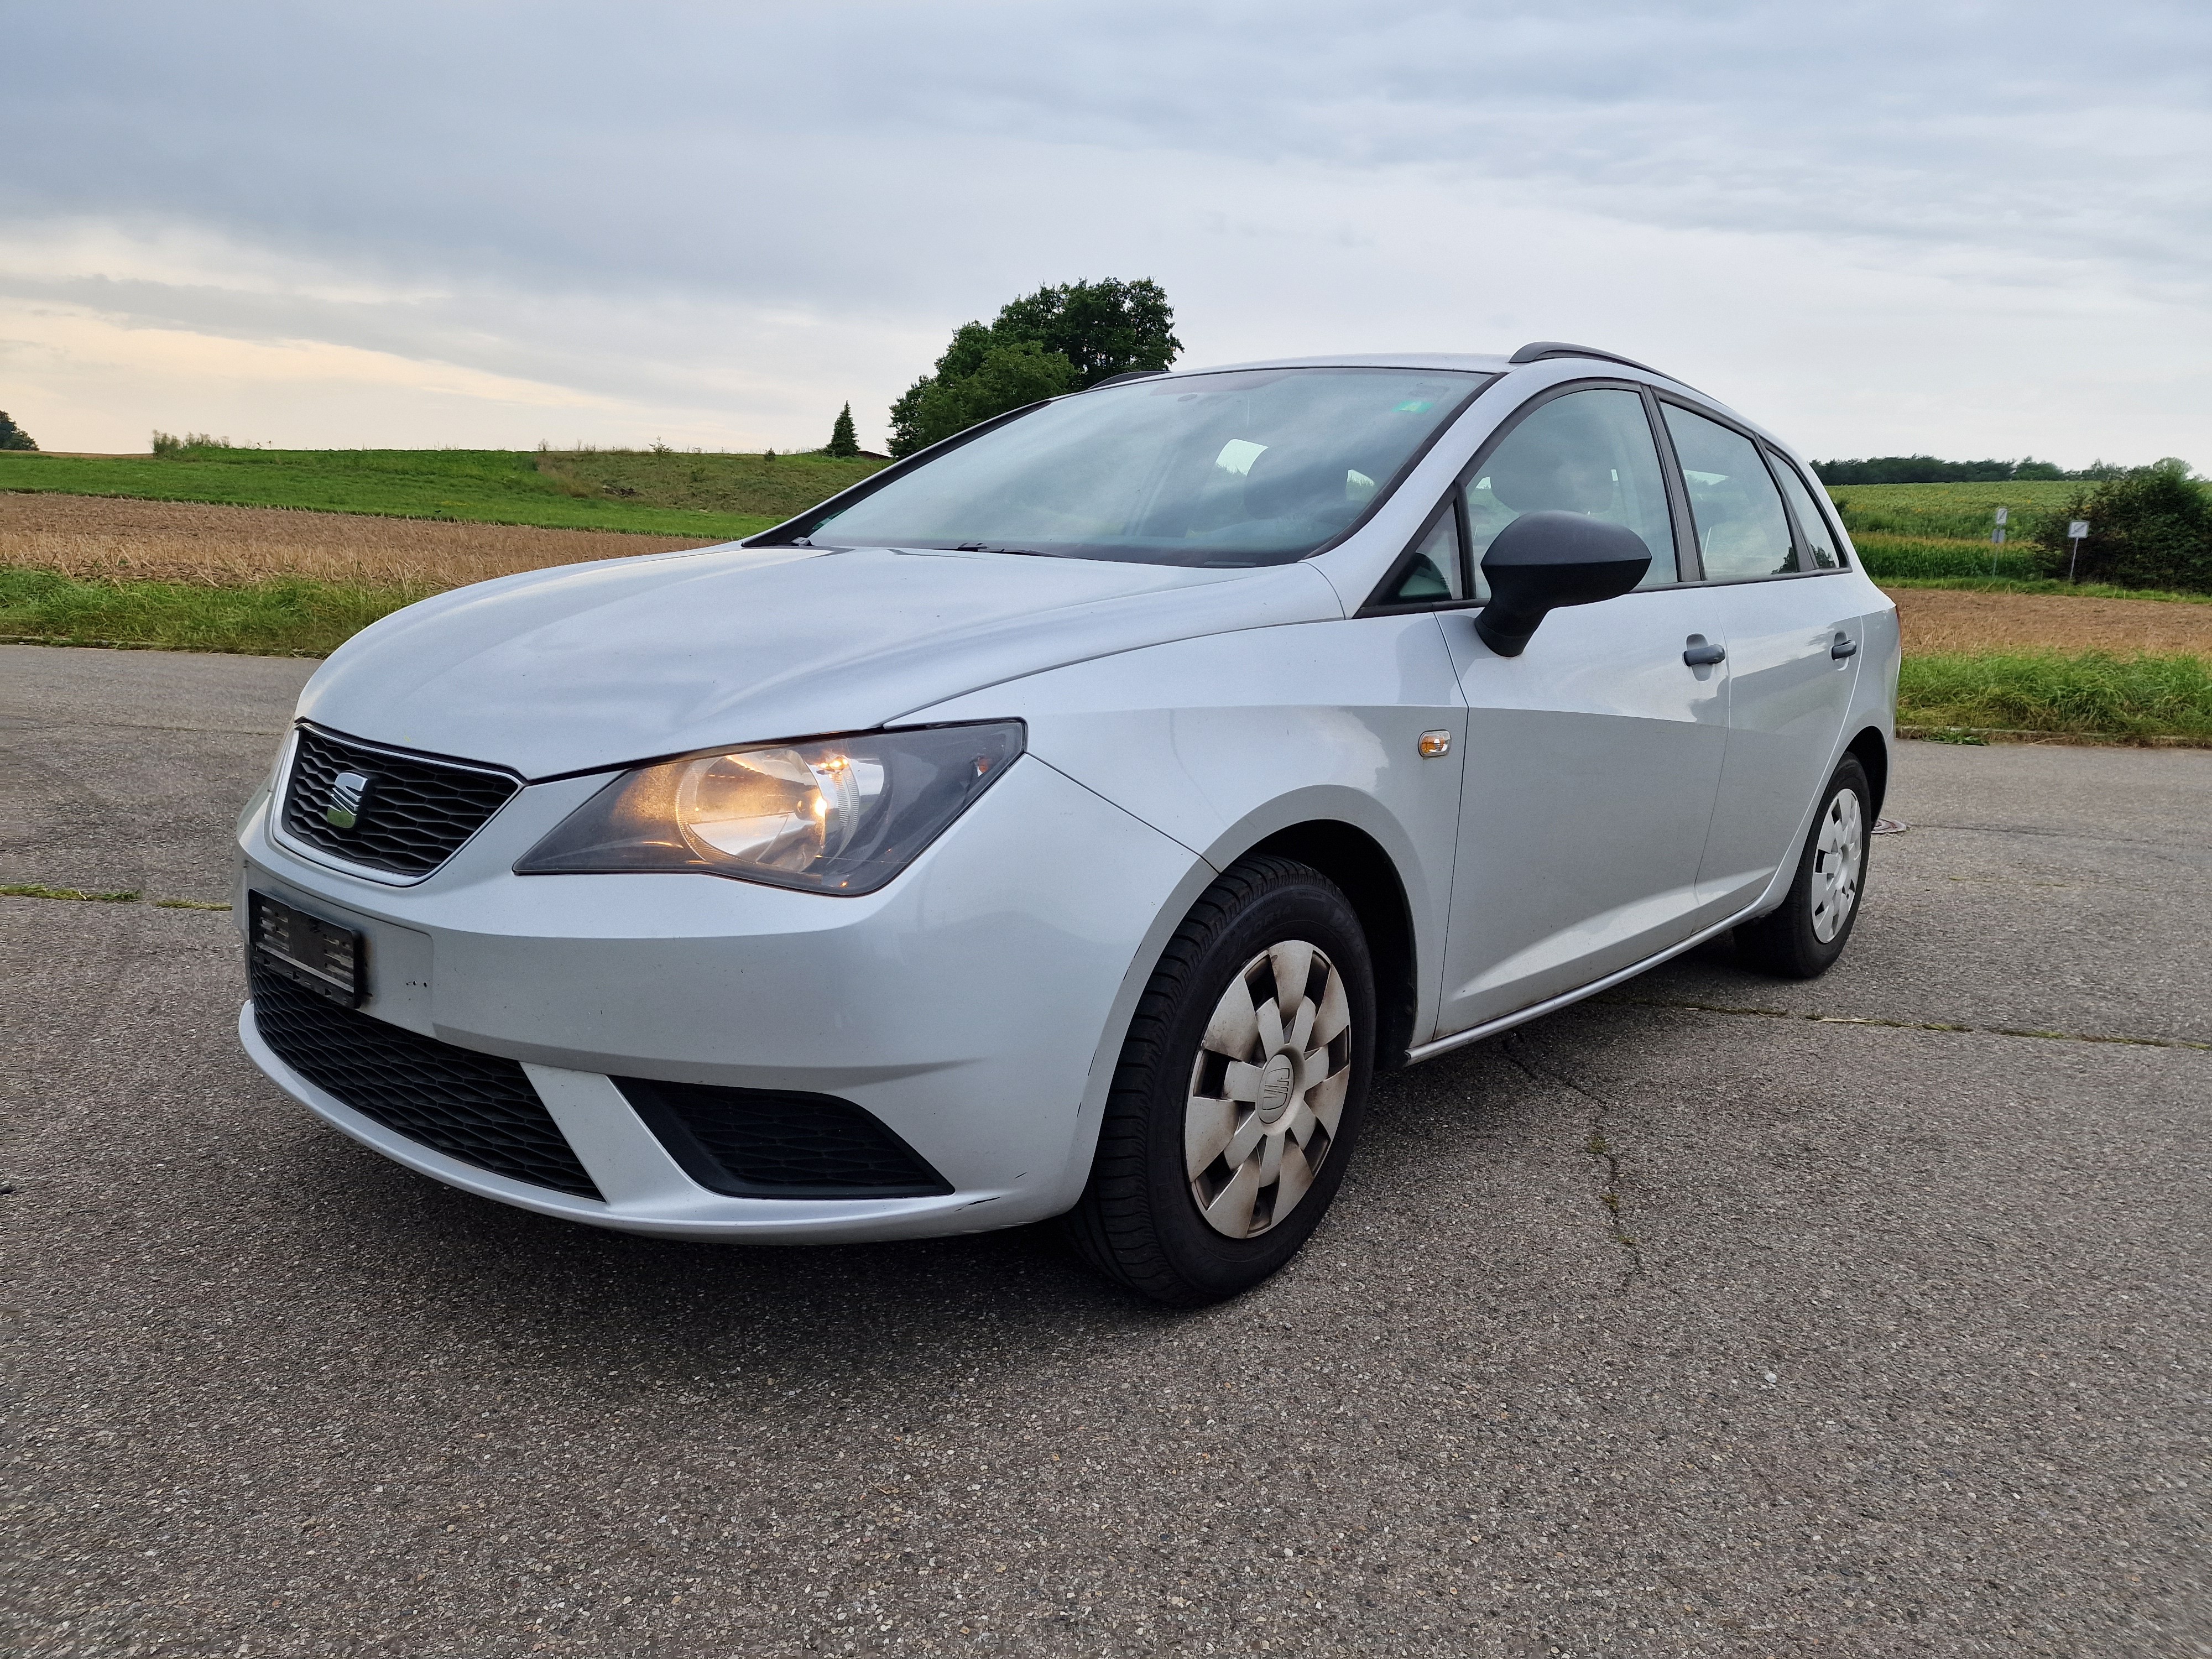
593	665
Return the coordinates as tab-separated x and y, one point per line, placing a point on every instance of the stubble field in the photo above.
103	540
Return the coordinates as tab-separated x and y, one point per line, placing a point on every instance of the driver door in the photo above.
1594	758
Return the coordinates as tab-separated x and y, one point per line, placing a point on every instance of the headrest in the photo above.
1549	472
1280	487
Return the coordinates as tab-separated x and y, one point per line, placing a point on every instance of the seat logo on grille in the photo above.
347	791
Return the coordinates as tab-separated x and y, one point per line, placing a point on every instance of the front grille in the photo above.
765	1143
411	815
477	1107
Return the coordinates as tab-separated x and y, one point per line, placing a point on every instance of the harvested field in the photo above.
98	538
1938	620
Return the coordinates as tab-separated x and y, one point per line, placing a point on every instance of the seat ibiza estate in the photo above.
1070	819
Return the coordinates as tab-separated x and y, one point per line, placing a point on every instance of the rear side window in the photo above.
1741	529
1819	542
1588	452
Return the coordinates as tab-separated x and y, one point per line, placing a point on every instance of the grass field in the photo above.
1964	512
715	497
1931	558
2167	695
288	616
2010	652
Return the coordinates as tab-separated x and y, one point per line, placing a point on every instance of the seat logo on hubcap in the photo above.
1275	1080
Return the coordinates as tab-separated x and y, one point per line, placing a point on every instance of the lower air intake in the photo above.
765	1143
479	1108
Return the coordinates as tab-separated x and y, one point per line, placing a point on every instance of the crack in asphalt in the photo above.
1604	1159
1912	1024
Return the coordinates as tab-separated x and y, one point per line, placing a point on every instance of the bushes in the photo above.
2151	527
1927	469
1059	339
978	377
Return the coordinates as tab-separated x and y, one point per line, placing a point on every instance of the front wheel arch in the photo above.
1363	870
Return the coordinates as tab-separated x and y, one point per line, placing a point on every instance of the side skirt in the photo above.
1537	1010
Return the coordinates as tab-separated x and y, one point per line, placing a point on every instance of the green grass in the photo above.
288	616
2089	693
39	890
1931	562
2086	693
661	494
2069	590
1963	512
1928	557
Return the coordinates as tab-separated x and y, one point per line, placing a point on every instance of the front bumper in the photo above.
974	1005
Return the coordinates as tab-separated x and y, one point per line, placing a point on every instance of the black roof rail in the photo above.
1537	351
1131	374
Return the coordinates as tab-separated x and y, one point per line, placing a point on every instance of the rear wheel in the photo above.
1239	1090
1802	938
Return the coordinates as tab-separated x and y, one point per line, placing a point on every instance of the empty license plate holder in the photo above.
316	955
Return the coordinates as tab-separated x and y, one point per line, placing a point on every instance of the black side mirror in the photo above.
1545	560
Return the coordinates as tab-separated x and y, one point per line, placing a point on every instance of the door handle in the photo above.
1699	654
1845	646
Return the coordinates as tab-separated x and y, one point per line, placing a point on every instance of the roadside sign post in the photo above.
1996	537
2076	529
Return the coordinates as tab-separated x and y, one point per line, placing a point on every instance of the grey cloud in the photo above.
676	201
672	143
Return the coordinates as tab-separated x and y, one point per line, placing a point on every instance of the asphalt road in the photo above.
1720	1317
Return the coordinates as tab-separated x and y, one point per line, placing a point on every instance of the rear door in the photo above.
1593	758
1793	642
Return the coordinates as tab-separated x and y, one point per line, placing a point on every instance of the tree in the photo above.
1102	329
843	441
1061	338
2149	527
13	436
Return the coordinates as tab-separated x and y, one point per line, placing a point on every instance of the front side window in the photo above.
1741	529
1588	452
1250	467
1433	573
1820	542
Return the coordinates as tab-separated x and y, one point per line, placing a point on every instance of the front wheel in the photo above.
1804	935
1239	1090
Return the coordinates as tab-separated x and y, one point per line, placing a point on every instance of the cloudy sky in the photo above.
1974	229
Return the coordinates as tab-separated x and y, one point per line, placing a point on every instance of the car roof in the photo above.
1535	355
1484	363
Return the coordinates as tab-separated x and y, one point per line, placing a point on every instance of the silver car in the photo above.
1068	820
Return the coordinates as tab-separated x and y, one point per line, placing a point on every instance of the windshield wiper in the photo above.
1025	552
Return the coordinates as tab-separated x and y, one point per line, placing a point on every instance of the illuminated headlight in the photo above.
835	815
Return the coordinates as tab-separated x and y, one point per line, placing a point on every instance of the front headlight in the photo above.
835	815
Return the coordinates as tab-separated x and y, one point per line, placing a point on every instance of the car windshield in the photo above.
1249	467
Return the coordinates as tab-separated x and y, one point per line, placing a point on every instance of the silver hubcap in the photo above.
1268	1089
1838	856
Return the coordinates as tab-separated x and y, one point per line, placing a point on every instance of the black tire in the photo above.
1787	942
1139	1221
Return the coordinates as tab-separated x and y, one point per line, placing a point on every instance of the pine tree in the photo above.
842	439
